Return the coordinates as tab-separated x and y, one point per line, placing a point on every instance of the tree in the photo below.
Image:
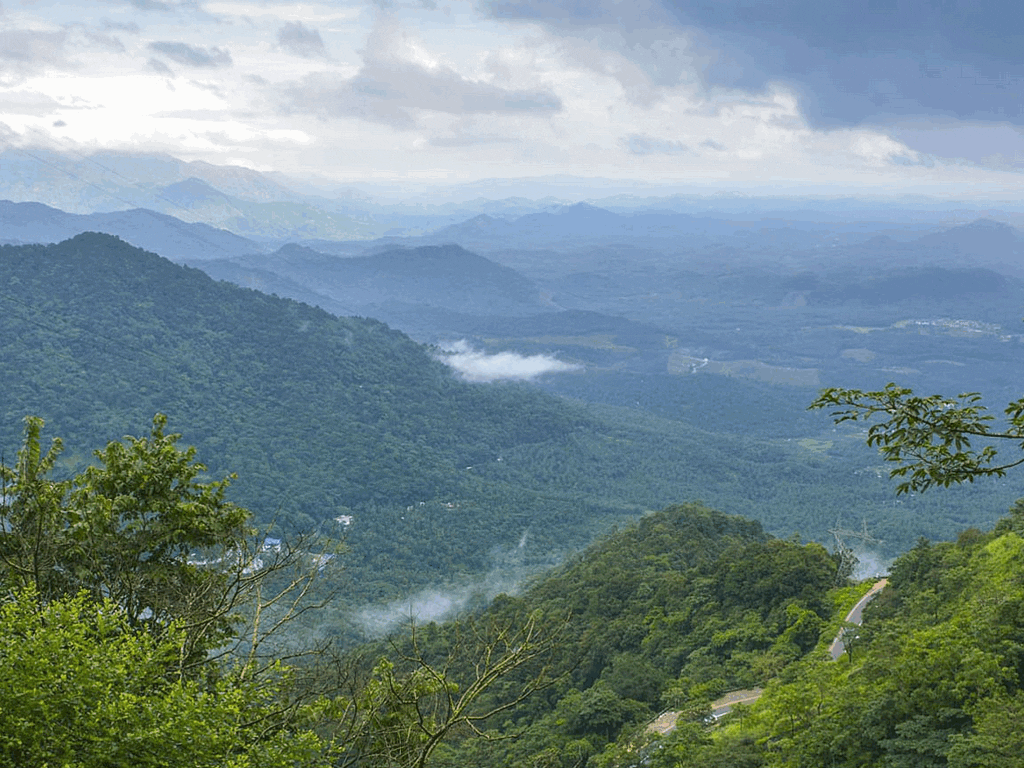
82	687
138	528
444	681
930	438
135	608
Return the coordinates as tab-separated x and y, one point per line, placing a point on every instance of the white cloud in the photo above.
346	90
473	365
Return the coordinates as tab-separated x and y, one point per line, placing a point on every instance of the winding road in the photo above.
666	722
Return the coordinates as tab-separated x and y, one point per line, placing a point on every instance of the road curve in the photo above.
666	721
854	617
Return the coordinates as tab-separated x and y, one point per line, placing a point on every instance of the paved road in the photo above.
666	722
724	705
855	617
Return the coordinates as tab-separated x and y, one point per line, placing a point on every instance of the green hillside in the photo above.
324	418
666	614
934	678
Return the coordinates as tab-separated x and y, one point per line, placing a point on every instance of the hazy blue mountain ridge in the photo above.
172	237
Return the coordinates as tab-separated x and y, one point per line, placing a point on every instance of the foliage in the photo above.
676	609
929	437
936	679
128	529
83	686
139	613
445	681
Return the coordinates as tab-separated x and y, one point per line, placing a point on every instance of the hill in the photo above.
688	604
933	678
171	237
445	277
324	417
667	613
436	480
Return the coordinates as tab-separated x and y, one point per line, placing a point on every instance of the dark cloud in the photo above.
193	56
295	37
850	61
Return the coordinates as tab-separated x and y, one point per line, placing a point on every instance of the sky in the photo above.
755	96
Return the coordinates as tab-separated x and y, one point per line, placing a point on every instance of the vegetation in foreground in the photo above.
138	629
140	615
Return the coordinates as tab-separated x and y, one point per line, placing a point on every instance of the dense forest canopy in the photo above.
327	419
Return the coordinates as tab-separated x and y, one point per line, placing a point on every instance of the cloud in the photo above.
159	67
159	5
468	141
193	56
638	144
101	40
32	103
510	568
478	366
30	48
116	26
851	61
399	78
295	37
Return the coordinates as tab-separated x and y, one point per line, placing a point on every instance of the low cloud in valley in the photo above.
474	365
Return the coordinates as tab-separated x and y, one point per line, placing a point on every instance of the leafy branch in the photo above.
929	438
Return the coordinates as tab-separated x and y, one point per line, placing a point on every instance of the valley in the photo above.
545	420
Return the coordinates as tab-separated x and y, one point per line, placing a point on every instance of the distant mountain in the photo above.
262	206
446	277
273	220
983	242
107	181
242	200
157	232
572	225
931	284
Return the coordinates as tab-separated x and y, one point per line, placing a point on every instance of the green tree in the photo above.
81	686
138	528
930	438
135	609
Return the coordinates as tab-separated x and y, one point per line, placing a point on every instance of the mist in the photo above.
870	565
474	365
510	569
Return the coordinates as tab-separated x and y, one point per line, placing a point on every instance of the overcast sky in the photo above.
800	96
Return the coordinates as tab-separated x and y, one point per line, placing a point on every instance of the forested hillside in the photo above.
933	678
690	603
666	614
326	419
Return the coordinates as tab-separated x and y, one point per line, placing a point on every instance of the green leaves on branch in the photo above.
127	529
81	687
142	622
929	438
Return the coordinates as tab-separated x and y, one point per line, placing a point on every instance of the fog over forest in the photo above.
396	373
